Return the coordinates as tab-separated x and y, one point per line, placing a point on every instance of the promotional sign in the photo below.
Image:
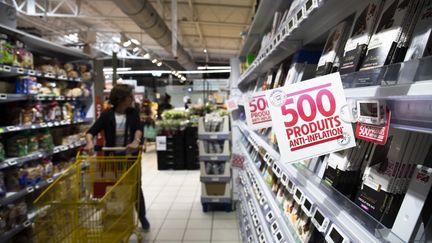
161	143
237	160
257	111
231	104
306	118
374	133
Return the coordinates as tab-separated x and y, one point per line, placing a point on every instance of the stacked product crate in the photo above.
214	155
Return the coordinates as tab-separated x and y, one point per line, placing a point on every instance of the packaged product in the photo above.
12	180
22	212
48	168
27	115
17	146
22	57
6	50
12	217
3	220
38	116
33	143
54	112
2	151
45	140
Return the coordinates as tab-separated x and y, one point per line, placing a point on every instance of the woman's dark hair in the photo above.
119	93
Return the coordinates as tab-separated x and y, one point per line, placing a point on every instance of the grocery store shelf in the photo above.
207	156
214	136
287	229
40	46
13	196
354	222
18	161
246	215
11	71
316	24
260	24
17	229
225	177
8	97
223	133
7	129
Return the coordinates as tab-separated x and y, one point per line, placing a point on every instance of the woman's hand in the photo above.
89	148
133	147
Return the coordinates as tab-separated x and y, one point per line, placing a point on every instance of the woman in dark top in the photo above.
122	128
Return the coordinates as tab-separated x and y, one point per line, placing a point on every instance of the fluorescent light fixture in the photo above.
173	72
183	78
110	69
205	50
159	64
136	49
127	43
135	41
154	60
146	56
214	67
206	71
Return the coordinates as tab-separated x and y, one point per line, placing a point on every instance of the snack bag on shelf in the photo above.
6	50
26	115
17	146
38	115
21	57
2	151
48	168
22	212
12	180
33	143
46	140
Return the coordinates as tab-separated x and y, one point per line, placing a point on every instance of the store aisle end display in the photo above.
44	98
214	155
370	192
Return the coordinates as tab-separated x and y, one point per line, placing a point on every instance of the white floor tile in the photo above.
201	215
175	224
225	234
170	234
178	214
198	234
181	206
199	223
225	215
224	224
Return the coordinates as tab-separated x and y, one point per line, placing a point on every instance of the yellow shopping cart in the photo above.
93	201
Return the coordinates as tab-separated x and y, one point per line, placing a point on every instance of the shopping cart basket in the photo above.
93	201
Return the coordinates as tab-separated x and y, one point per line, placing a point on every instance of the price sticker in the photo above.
7	68
20	70
3	96
31	72
257	111
306	118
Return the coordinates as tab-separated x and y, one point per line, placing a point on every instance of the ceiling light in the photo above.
136	49
183	78
205	50
146	56
206	71
213	67
135	41
127	43
169	71
159	64
154	60
173	72
110	69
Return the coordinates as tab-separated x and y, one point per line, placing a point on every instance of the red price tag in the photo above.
306	118
257	111
374	133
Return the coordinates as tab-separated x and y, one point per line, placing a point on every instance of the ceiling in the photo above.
211	25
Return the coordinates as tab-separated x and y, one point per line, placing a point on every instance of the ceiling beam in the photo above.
218	5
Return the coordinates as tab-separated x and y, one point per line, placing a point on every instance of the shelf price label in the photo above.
306	118
257	111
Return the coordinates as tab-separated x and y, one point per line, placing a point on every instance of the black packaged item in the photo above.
387	33
381	205
421	43
3	189
356	46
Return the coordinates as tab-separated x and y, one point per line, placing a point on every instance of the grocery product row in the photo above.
360	36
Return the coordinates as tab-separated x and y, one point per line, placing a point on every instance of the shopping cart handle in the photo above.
100	148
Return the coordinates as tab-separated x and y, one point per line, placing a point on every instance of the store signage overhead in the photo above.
257	111
306	118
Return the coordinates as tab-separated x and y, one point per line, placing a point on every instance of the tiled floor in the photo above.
174	209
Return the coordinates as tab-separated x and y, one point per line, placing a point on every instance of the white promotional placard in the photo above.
306	118
161	143
257	111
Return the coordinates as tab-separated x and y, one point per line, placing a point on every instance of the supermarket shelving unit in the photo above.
216	189
406	87
38	46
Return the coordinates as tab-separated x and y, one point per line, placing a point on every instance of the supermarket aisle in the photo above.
175	211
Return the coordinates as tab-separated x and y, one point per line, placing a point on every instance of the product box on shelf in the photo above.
361	31
334	40
303	66
387	33
421	43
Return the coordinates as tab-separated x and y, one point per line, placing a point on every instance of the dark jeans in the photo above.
142	209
